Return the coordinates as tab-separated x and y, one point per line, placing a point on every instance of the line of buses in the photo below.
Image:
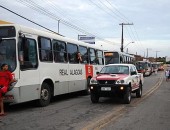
45	64
147	68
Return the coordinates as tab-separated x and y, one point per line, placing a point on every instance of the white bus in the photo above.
146	66
115	57
45	63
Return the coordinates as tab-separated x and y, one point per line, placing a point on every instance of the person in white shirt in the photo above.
167	74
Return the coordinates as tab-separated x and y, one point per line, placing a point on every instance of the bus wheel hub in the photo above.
44	94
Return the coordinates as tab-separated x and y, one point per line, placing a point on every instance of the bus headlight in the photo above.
93	81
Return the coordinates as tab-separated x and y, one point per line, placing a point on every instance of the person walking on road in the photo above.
156	71
167	75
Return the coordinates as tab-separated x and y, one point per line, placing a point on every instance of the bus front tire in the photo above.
45	95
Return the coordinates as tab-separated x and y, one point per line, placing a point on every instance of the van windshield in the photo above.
115	69
8	53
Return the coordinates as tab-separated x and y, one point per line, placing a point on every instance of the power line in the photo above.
119	16
115	18
27	19
112	11
41	10
126	19
66	16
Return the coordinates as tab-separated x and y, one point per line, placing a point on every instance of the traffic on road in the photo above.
54	67
75	111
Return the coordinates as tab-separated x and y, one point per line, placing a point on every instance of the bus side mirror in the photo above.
22	37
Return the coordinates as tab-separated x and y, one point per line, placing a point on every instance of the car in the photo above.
116	80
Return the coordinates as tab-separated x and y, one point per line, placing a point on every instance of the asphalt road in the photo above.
75	112
151	114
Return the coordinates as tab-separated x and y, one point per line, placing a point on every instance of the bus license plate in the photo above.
105	88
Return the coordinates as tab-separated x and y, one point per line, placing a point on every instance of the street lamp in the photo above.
127	45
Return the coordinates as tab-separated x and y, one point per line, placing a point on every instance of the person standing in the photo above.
156	71
5	80
167	75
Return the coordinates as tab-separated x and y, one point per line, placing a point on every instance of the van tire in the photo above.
139	91
127	96
94	97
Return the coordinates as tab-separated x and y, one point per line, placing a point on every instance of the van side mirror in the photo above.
133	72
97	73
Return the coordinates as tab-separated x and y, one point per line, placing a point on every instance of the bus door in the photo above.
29	74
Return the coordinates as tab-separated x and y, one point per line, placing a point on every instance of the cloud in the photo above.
152	45
151	20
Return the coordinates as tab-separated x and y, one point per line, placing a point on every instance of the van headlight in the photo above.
120	82
93	81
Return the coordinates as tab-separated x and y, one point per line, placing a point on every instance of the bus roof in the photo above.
4	22
45	33
121	53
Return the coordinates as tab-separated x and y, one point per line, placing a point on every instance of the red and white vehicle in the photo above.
116	79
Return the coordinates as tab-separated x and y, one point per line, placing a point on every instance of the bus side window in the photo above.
59	51
99	57
92	56
72	50
45	49
28	54
84	53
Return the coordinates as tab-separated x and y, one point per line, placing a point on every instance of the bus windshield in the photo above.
111	58
141	65
8	53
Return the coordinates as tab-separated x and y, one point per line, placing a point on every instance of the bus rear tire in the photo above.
45	96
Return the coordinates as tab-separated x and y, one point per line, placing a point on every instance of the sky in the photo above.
149	34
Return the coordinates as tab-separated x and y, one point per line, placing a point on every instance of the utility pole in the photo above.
121	48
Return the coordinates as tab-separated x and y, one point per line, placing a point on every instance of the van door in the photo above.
135	78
